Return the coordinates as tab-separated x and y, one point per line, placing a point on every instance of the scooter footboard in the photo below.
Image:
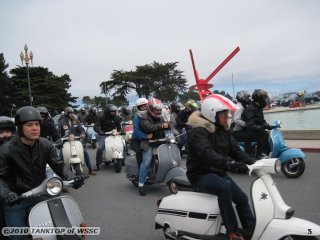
279	228
62	211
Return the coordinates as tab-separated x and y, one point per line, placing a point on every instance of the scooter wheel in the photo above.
293	168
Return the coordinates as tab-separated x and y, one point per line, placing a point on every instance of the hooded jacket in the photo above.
23	167
210	147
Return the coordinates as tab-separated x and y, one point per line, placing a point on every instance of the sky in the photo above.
279	41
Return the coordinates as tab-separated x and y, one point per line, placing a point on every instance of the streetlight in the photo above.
26	58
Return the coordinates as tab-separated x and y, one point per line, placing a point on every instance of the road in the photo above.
109	201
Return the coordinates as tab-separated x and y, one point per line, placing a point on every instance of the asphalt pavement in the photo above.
110	201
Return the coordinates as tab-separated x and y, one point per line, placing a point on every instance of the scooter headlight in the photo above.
54	186
277	166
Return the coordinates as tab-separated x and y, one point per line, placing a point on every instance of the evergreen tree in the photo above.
6	104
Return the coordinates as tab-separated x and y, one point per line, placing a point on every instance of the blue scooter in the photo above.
292	159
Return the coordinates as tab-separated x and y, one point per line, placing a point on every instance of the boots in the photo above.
92	172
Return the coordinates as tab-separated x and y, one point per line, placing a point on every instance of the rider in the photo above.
212	152
7	130
91	119
23	162
138	135
69	122
255	124
47	128
125	113
106	123
182	119
153	125
244	99
82	115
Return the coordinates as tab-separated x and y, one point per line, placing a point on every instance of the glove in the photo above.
267	126
240	167
234	166
10	198
79	181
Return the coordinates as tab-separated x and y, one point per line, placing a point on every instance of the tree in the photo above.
47	89
162	81
184	97
6	104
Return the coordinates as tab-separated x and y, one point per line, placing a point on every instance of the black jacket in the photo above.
253	117
209	148
48	130
23	167
152	125
182	119
65	125
107	123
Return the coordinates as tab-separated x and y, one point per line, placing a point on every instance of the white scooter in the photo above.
58	212
114	149
72	151
195	215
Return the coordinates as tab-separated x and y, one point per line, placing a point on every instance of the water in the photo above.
306	119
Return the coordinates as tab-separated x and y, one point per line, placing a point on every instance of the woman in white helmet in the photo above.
138	135
212	152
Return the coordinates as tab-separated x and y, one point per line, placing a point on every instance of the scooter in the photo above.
196	215
128	129
165	166
114	149
61	212
292	159
91	137
72	150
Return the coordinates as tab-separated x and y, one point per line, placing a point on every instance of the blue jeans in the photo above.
100	150
87	158
16	215
228	191
145	165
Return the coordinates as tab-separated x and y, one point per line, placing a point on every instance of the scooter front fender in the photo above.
174	172
291	153
279	228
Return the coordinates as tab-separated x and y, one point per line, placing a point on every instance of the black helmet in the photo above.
260	97
43	110
125	110
110	108
26	114
243	97
93	110
175	106
7	123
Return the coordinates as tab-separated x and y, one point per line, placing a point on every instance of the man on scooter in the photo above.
153	125
70	123
23	162
108	121
255	124
212	152
7	130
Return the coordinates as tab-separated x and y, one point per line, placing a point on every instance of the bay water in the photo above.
302	119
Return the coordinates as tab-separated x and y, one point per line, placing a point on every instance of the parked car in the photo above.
311	98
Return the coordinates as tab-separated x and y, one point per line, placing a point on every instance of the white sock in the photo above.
141	184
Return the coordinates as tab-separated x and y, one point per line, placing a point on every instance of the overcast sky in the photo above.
279	40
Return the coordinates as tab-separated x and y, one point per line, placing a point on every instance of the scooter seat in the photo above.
183	184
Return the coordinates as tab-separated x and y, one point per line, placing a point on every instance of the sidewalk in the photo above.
305	145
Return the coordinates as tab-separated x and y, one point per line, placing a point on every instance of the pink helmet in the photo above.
154	107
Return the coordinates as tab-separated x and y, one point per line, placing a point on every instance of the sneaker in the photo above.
235	236
142	192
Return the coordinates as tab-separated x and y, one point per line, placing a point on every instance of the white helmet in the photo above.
139	102
215	103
